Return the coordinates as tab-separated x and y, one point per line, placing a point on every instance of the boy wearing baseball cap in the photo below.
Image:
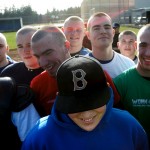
82	117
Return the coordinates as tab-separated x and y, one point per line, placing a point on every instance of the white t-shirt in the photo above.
117	65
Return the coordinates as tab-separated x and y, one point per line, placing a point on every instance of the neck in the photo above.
32	67
103	54
75	49
132	57
143	72
4	63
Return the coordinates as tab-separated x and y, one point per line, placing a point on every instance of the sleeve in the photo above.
116	94
25	120
120	84
34	85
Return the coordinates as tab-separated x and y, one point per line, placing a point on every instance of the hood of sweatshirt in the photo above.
64	121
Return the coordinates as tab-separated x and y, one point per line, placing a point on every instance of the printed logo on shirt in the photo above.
141	102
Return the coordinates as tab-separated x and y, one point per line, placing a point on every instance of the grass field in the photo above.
129	28
11	39
10	36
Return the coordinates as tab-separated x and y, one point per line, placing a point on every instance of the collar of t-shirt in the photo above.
135	58
103	61
147	78
77	53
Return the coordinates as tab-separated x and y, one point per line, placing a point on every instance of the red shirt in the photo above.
45	88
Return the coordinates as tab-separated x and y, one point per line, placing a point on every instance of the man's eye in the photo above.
79	30
143	44
96	29
107	27
19	46
123	42
131	42
69	30
49	52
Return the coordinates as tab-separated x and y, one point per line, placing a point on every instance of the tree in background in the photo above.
30	16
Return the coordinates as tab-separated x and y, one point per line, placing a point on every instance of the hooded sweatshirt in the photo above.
117	130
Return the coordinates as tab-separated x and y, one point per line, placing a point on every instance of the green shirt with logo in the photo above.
134	91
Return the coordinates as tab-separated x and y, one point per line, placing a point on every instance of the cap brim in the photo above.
79	103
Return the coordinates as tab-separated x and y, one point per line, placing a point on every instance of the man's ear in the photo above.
113	32
87	34
67	44
7	48
62	28
135	44
118	45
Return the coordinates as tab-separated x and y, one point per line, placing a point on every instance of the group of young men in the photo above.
75	95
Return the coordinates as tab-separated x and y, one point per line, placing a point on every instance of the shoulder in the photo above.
126	119
129	122
124	59
41	75
12	67
41	78
84	51
40	128
127	73
125	76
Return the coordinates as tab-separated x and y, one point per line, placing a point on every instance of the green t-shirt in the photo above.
135	96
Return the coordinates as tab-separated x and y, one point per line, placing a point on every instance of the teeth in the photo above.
87	120
147	59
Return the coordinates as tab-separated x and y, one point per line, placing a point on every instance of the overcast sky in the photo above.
40	6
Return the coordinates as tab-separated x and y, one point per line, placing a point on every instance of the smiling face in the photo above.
75	32
143	47
88	120
100	32
50	53
24	50
127	46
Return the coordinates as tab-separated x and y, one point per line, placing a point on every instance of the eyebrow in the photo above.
19	44
47	50
25	44
43	53
105	25
142	43
72	28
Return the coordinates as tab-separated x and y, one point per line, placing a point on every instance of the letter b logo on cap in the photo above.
77	79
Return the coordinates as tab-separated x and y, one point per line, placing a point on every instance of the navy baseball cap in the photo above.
82	85
116	25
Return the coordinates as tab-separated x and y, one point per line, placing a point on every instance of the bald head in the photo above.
145	28
3	39
52	32
25	30
97	15
74	19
